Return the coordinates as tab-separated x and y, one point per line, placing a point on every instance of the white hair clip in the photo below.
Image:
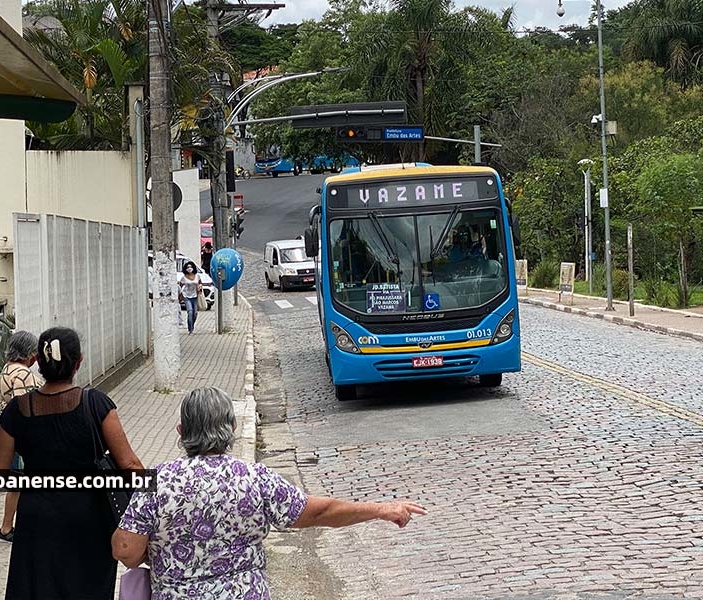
52	351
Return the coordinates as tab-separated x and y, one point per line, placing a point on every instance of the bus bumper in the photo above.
351	369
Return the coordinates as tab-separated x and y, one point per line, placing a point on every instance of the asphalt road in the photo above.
277	208
579	478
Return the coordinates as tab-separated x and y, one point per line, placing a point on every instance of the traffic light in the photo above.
229	170
238	223
351	134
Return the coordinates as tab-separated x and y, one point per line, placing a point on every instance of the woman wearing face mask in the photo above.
190	285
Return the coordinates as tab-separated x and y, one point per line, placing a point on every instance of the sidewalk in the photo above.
207	359
687	324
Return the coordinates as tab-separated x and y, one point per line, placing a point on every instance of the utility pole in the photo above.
222	213
218	175
605	201
167	346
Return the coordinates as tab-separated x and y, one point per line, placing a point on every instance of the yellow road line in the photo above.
659	405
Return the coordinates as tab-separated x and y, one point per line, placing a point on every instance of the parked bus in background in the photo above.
416	275
274	166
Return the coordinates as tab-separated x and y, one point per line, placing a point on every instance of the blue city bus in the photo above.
416	275
275	165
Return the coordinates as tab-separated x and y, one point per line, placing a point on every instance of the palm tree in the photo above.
98	45
414	52
670	33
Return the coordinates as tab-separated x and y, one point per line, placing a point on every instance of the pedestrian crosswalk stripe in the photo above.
311	299
284	304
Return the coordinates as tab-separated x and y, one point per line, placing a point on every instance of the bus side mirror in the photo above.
314	212
312	242
515	226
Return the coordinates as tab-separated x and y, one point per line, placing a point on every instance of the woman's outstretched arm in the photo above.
328	512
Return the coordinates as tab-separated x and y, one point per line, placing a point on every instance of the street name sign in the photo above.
403	134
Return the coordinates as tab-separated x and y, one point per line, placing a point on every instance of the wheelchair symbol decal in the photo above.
431	302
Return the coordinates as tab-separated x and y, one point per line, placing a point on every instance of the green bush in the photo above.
659	292
546	274
599	284
621	284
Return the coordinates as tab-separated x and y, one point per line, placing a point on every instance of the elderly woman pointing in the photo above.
202	531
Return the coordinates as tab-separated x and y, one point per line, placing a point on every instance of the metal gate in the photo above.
86	275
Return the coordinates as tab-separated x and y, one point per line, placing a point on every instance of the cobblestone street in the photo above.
580	477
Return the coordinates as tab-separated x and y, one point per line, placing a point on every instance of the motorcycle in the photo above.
241	173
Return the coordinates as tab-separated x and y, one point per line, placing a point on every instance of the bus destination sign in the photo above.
419	192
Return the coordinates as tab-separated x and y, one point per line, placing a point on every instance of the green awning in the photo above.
30	88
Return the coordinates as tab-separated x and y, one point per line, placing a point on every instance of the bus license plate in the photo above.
308	279
420	362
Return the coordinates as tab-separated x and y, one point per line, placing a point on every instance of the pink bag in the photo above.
135	584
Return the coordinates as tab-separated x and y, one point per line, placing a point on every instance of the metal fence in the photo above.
86	275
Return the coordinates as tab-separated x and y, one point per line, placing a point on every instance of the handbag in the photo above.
135	584
117	499
202	303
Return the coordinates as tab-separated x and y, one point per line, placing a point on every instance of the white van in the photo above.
287	265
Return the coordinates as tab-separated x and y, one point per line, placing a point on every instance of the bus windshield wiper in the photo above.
373	217
445	232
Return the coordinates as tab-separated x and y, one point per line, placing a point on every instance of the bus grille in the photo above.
423	327
306	271
456	364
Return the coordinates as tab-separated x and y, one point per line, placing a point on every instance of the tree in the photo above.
669	32
668	189
548	198
98	45
258	49
415	52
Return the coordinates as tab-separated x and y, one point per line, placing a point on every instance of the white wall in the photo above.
11	11
88	276
96	186
244	153
188	214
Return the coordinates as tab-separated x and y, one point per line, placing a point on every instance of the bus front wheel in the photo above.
345	392
491	380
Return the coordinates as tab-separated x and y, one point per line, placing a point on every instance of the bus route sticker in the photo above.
384	297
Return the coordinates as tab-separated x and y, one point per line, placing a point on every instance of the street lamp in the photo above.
586	165
603	128
274	80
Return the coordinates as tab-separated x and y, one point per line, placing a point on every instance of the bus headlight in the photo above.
504	330
343	340
287	271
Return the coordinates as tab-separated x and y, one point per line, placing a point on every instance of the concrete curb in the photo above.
248	427
673	311
614	319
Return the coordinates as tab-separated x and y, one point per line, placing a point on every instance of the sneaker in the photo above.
8	536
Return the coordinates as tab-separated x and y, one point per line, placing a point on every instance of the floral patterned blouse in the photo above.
206	525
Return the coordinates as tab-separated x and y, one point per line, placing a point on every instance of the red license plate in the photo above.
308	279
420	362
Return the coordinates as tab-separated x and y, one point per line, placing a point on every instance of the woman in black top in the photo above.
61	548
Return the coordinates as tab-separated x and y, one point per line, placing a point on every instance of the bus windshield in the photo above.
451	260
